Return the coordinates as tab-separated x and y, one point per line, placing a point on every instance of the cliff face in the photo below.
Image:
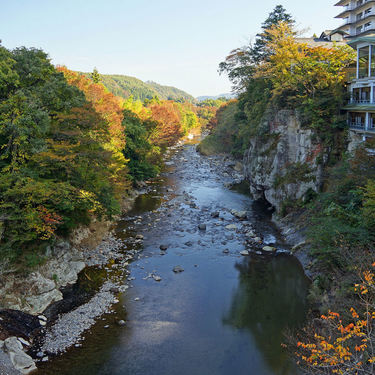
283	166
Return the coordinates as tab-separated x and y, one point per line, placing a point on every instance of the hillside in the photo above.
207	97
125	86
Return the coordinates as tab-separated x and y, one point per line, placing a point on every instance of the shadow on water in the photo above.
270	298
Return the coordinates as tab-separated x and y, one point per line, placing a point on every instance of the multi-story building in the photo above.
359	29
358	16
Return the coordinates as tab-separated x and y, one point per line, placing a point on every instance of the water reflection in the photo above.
269	298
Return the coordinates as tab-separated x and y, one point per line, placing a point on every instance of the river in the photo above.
224	314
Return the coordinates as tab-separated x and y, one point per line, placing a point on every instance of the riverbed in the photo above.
222	312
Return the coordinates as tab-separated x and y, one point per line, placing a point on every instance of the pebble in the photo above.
202	226
244	253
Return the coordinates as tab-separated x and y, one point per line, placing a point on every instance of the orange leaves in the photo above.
47	224
107	105
168	119
349	348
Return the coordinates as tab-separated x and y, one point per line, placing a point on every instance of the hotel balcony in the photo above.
362	122
361	126
353	7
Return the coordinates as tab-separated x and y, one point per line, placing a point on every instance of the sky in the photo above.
176	43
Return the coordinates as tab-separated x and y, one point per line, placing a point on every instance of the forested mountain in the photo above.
125	86
227	96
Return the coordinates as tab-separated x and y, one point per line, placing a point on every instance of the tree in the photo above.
278	15
58	165
298	67
139	151
240	64
95	76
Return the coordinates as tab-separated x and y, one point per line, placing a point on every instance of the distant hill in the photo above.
126	86
226	96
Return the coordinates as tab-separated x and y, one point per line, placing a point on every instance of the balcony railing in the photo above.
355	6
360	101
359	125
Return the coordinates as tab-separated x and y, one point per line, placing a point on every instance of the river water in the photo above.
225	314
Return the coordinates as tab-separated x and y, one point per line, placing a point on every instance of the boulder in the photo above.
269	249
20	360
239	214
178	269
38	303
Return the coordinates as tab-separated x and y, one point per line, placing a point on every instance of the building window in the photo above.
357	120
358	29
371	124
367	11
367	25
363	58
372	73
359	16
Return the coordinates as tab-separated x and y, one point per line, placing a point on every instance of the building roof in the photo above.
362	39
341	2
360	107
319	42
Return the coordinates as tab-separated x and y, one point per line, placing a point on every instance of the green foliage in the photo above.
55	169
343	216
241	63
95	76
125	86
224	133
294	174
142	155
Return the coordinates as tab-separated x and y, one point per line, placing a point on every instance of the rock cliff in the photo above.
284	164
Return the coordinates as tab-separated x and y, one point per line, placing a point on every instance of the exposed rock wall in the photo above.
283	165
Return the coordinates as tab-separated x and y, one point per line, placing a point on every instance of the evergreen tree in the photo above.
279	14
95	76
240	64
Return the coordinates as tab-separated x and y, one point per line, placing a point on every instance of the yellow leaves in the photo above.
298	66
348	351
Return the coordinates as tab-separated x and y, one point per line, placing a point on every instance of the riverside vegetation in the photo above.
71	151
279	74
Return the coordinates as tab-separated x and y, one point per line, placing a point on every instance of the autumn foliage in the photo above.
336	347
108	106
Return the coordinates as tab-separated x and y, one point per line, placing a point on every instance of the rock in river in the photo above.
269	249
163	247
178	269
202	226
20	360
231	227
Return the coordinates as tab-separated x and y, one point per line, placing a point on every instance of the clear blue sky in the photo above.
177	43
